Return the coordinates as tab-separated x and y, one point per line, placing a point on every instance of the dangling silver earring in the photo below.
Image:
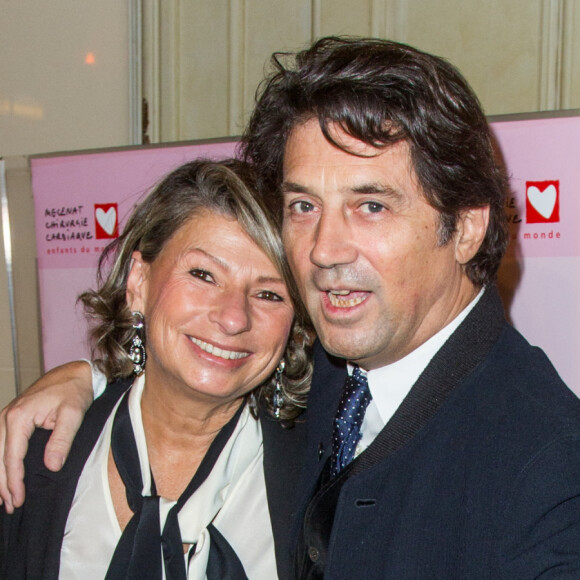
137	350
278	398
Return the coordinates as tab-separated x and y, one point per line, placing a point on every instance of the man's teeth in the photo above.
222	353
337	300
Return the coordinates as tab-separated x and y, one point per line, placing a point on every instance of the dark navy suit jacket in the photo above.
477	474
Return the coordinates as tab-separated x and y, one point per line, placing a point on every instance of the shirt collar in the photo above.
390	384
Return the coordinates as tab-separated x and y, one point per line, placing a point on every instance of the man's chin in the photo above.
342	348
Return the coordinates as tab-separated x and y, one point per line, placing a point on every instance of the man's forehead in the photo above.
307	141
311	160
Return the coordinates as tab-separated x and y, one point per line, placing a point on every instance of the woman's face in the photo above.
217	311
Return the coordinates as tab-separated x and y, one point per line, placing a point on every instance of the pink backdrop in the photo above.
78	200
75	197
540	276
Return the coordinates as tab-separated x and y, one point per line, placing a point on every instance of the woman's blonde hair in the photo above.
226	188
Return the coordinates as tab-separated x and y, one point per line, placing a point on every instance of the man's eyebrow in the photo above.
363	188
292	187
376	188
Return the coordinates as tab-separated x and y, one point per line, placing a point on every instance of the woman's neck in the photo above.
179	430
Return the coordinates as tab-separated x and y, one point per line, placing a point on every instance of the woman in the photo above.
197	330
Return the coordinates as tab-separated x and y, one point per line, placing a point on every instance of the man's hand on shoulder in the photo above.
57	401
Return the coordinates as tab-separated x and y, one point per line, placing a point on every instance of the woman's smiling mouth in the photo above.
219	352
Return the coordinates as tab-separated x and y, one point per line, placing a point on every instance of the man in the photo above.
463	462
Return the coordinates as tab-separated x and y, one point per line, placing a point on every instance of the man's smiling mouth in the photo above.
346	298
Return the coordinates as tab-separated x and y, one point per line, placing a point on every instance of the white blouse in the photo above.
233	498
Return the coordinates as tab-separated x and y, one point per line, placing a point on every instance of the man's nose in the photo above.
333	242
232	312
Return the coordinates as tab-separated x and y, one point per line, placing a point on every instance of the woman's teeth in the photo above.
222	353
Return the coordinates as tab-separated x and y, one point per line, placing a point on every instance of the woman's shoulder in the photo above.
113	392
91	426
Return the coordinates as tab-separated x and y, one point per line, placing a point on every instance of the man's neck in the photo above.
391	383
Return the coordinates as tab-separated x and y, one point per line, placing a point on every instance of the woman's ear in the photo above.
471	229
137	283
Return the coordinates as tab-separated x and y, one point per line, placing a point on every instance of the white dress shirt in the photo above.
232	497
389	385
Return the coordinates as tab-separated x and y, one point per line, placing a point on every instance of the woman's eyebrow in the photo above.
218	261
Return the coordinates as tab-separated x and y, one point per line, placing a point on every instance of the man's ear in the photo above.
137	283
471	230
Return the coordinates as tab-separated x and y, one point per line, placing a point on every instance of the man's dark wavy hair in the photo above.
381	92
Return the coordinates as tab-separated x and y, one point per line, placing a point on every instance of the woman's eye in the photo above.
202	275
301	207
271	296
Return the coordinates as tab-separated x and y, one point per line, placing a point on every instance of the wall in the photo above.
203	61
65	75
64	71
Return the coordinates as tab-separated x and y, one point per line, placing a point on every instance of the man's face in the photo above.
363	244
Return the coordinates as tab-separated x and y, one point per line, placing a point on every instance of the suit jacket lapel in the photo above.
327	382
465	349
283	458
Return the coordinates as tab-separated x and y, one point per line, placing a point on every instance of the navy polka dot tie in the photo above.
355	399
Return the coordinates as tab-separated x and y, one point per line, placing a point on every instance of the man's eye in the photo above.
373	207
301	207
270	296
201	274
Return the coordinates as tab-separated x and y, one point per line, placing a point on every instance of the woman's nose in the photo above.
232	313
